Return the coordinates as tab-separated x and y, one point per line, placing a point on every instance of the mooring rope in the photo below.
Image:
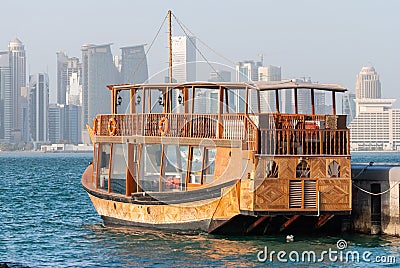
368	192
381	193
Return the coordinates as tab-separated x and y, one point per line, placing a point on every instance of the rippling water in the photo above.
47	220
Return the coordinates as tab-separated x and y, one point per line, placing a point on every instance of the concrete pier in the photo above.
376	207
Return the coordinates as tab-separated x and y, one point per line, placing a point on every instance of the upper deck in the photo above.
250	115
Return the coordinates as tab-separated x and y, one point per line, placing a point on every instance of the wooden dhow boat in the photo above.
220	157
204	157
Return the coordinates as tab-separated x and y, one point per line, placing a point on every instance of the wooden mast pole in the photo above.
168	95
170	45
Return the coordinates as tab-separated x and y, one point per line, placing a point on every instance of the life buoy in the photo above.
95	126
163	126
112	126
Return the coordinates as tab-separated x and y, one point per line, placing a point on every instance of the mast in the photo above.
170	45
168	95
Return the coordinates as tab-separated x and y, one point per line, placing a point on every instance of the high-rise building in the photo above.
62	61
68	71
220	76
6	101
368	85
247	71
24	109
17	62
38	107
74	90
134	65
267	98
64	123
183	58
98	70
376	126
134	70
55	123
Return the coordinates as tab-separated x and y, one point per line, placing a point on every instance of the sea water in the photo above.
47	220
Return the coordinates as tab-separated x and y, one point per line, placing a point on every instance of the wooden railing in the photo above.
226	126
305	142
270	134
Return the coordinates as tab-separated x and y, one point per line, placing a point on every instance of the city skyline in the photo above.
333	49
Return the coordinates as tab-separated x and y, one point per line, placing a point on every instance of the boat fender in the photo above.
163	126
95	125
112	126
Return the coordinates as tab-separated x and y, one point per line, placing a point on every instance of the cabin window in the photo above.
333	170
253	101
178	101
286	98
304	101
95	154
157	100
206	101
150	167
271	169
118	169
175	166
196	165
209	165
123	107
267	102
104	166
303	169
139	99
236	100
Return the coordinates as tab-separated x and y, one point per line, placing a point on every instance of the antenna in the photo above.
261	58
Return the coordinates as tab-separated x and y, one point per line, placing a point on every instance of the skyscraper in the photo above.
134	65
376	126
247	71
38	107
68	71
183	58
220	76
134	70
62	61
368	85
17	59
64	123
267	98
98	71
6	101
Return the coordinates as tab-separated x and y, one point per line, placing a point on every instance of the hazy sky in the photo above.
328	41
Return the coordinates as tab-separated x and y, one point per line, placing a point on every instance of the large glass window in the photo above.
139	98
209	165
253	101
196	165
104	166
157	100
95	154
175	166
150	167
118	169
236	100
206	101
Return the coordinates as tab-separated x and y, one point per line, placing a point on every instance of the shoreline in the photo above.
45	152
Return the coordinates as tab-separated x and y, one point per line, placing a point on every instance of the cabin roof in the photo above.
273	85
258	85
